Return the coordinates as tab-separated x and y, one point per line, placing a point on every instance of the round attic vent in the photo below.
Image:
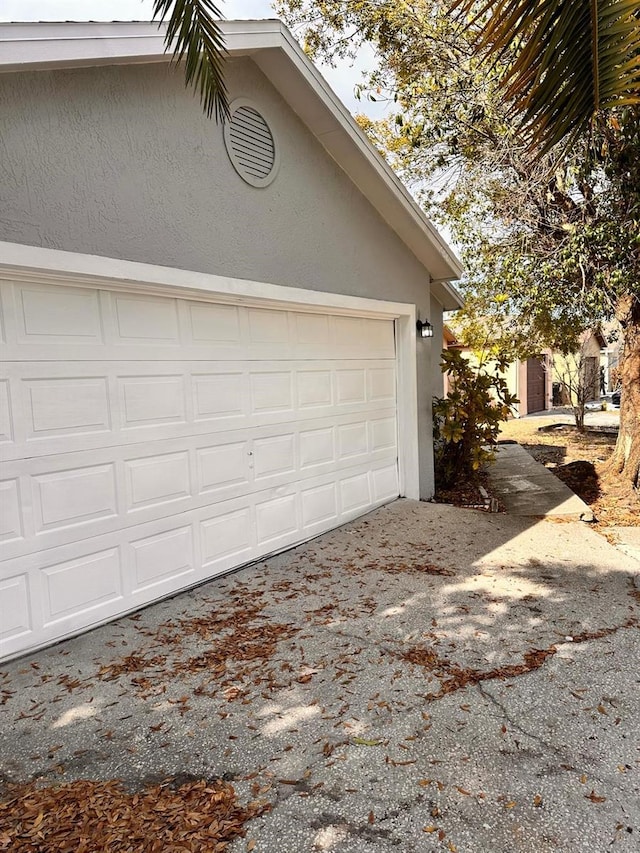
250	145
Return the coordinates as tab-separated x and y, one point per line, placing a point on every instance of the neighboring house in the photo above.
610	354
209	335
529	380
577	376
591	371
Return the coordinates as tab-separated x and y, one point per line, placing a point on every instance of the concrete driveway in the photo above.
424	679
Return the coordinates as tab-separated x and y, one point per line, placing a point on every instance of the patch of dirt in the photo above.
582	478
580	461
86	816
467	495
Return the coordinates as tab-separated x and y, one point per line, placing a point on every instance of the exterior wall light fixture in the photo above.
425	330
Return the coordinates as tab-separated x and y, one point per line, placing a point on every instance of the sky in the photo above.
342	79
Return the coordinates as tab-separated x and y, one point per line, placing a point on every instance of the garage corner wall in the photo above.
429	352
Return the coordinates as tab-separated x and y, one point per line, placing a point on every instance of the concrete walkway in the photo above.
528	489
424	680
627	540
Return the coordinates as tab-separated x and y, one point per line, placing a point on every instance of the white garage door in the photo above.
149	443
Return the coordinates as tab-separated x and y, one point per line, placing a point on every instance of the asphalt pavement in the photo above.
424	679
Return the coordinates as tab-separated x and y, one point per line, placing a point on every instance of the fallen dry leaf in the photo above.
594	797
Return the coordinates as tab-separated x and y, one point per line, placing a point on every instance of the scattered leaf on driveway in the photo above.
594	797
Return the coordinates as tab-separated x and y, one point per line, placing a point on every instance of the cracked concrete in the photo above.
315	707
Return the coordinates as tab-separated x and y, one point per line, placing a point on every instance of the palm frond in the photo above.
195	38
565	59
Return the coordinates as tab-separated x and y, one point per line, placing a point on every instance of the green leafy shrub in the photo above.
466	423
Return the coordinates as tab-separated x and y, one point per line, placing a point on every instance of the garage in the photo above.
151	442
202	365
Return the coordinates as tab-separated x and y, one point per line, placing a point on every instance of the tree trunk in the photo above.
626	456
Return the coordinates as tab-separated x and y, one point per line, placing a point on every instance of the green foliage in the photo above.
467	421
573	59
550	236
551	239
195	38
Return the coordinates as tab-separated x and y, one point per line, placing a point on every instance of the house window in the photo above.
250	144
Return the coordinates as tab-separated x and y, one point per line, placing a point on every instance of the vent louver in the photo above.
250	145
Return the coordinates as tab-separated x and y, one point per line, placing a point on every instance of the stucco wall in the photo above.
121	162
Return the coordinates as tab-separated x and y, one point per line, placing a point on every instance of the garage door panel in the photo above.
72	405
45	314
11	523
156	480
104	404
227	536
15	612
211	323
71	589
6	424
152	400
74	496
92	323
61	590
50	500
219	395
314	389
162	560
144	320
151	443
319	505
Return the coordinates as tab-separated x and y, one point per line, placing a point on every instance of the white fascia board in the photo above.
43	46
278	55
74	268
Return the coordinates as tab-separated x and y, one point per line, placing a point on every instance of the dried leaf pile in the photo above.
455	677
241	642
86	817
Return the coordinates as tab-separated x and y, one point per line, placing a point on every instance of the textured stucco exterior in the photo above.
119	161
